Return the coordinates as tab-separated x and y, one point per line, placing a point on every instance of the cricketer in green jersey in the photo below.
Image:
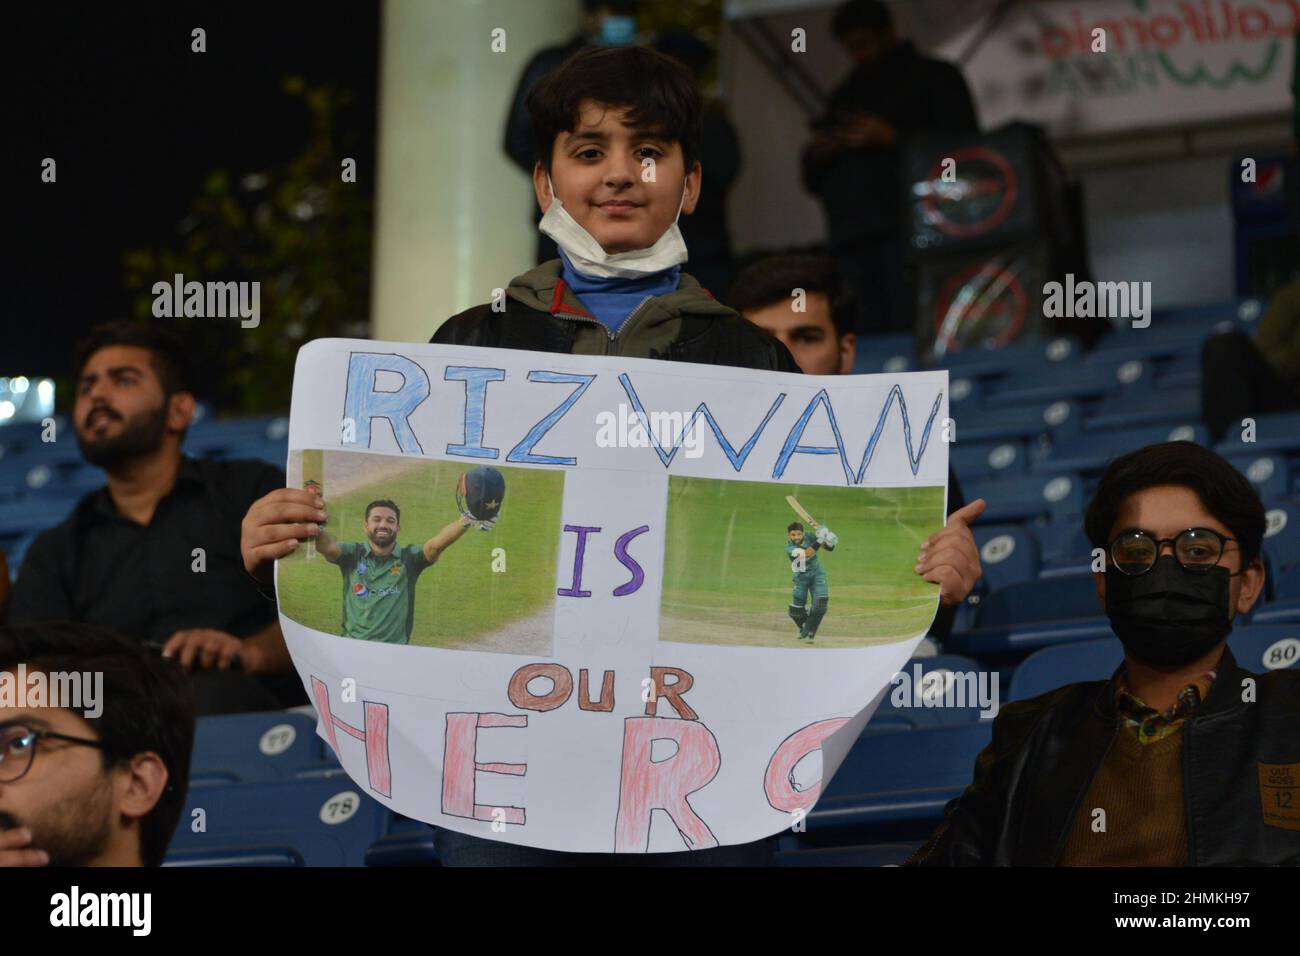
808	575
379	577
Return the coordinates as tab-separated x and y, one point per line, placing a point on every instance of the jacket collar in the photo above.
543	289
1224	693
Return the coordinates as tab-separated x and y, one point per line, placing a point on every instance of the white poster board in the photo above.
620	637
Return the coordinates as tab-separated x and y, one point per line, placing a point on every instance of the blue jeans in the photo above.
460	849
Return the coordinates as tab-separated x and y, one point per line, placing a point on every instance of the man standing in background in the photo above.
852	162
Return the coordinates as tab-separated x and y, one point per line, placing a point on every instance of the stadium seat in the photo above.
325	822
892	779
1002	643
1027	497
1129	410
1268	473
884	353
1061	540
269	746
1266	647
1052	599
989	363
1053	667
1093	451
251	857
987	459
1282	535
1056	419
1275	432
1008	553
1037	384
889	717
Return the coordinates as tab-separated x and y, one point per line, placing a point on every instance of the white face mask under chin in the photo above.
587	256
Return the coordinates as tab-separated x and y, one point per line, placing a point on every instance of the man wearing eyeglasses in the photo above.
79	790
1182	758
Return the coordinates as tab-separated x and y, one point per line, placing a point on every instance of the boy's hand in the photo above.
274	524
949	557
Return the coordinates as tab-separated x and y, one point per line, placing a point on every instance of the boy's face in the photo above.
599	172
1167	510
809	335
796	536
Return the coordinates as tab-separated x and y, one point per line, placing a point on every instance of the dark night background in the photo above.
135	121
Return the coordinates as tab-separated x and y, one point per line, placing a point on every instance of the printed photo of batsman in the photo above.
421	552
768	565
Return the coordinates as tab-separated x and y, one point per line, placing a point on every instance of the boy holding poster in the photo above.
616	131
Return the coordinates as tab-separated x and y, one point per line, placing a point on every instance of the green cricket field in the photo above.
728	581
460	601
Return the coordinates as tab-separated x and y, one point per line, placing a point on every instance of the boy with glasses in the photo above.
1182	758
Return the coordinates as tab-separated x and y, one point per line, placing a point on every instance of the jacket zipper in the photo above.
610	335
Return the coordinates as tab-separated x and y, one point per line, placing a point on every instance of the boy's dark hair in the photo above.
794	526
774	279
871	15
658	92
171	361
148	706
1225	492
383	503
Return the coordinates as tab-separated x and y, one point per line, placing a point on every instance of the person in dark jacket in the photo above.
852	162
1182	757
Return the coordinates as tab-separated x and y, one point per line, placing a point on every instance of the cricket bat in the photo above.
798	509
313	479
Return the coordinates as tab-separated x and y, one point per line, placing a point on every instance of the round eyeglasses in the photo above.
18	744
1135	551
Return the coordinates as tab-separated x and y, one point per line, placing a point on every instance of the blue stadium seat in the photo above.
1050	599
1051	383
1009	554
1266	647
1093	451
1028	496
1158	406
885	353
988	363
325	822
1057	419
1009	642
1061	664
889	718
1180	371
987	459
269	746
1274	432
1063	541
889	779
1268	473
1282	535
34	513
250	857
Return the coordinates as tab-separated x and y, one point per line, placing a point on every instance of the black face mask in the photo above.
1168	616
